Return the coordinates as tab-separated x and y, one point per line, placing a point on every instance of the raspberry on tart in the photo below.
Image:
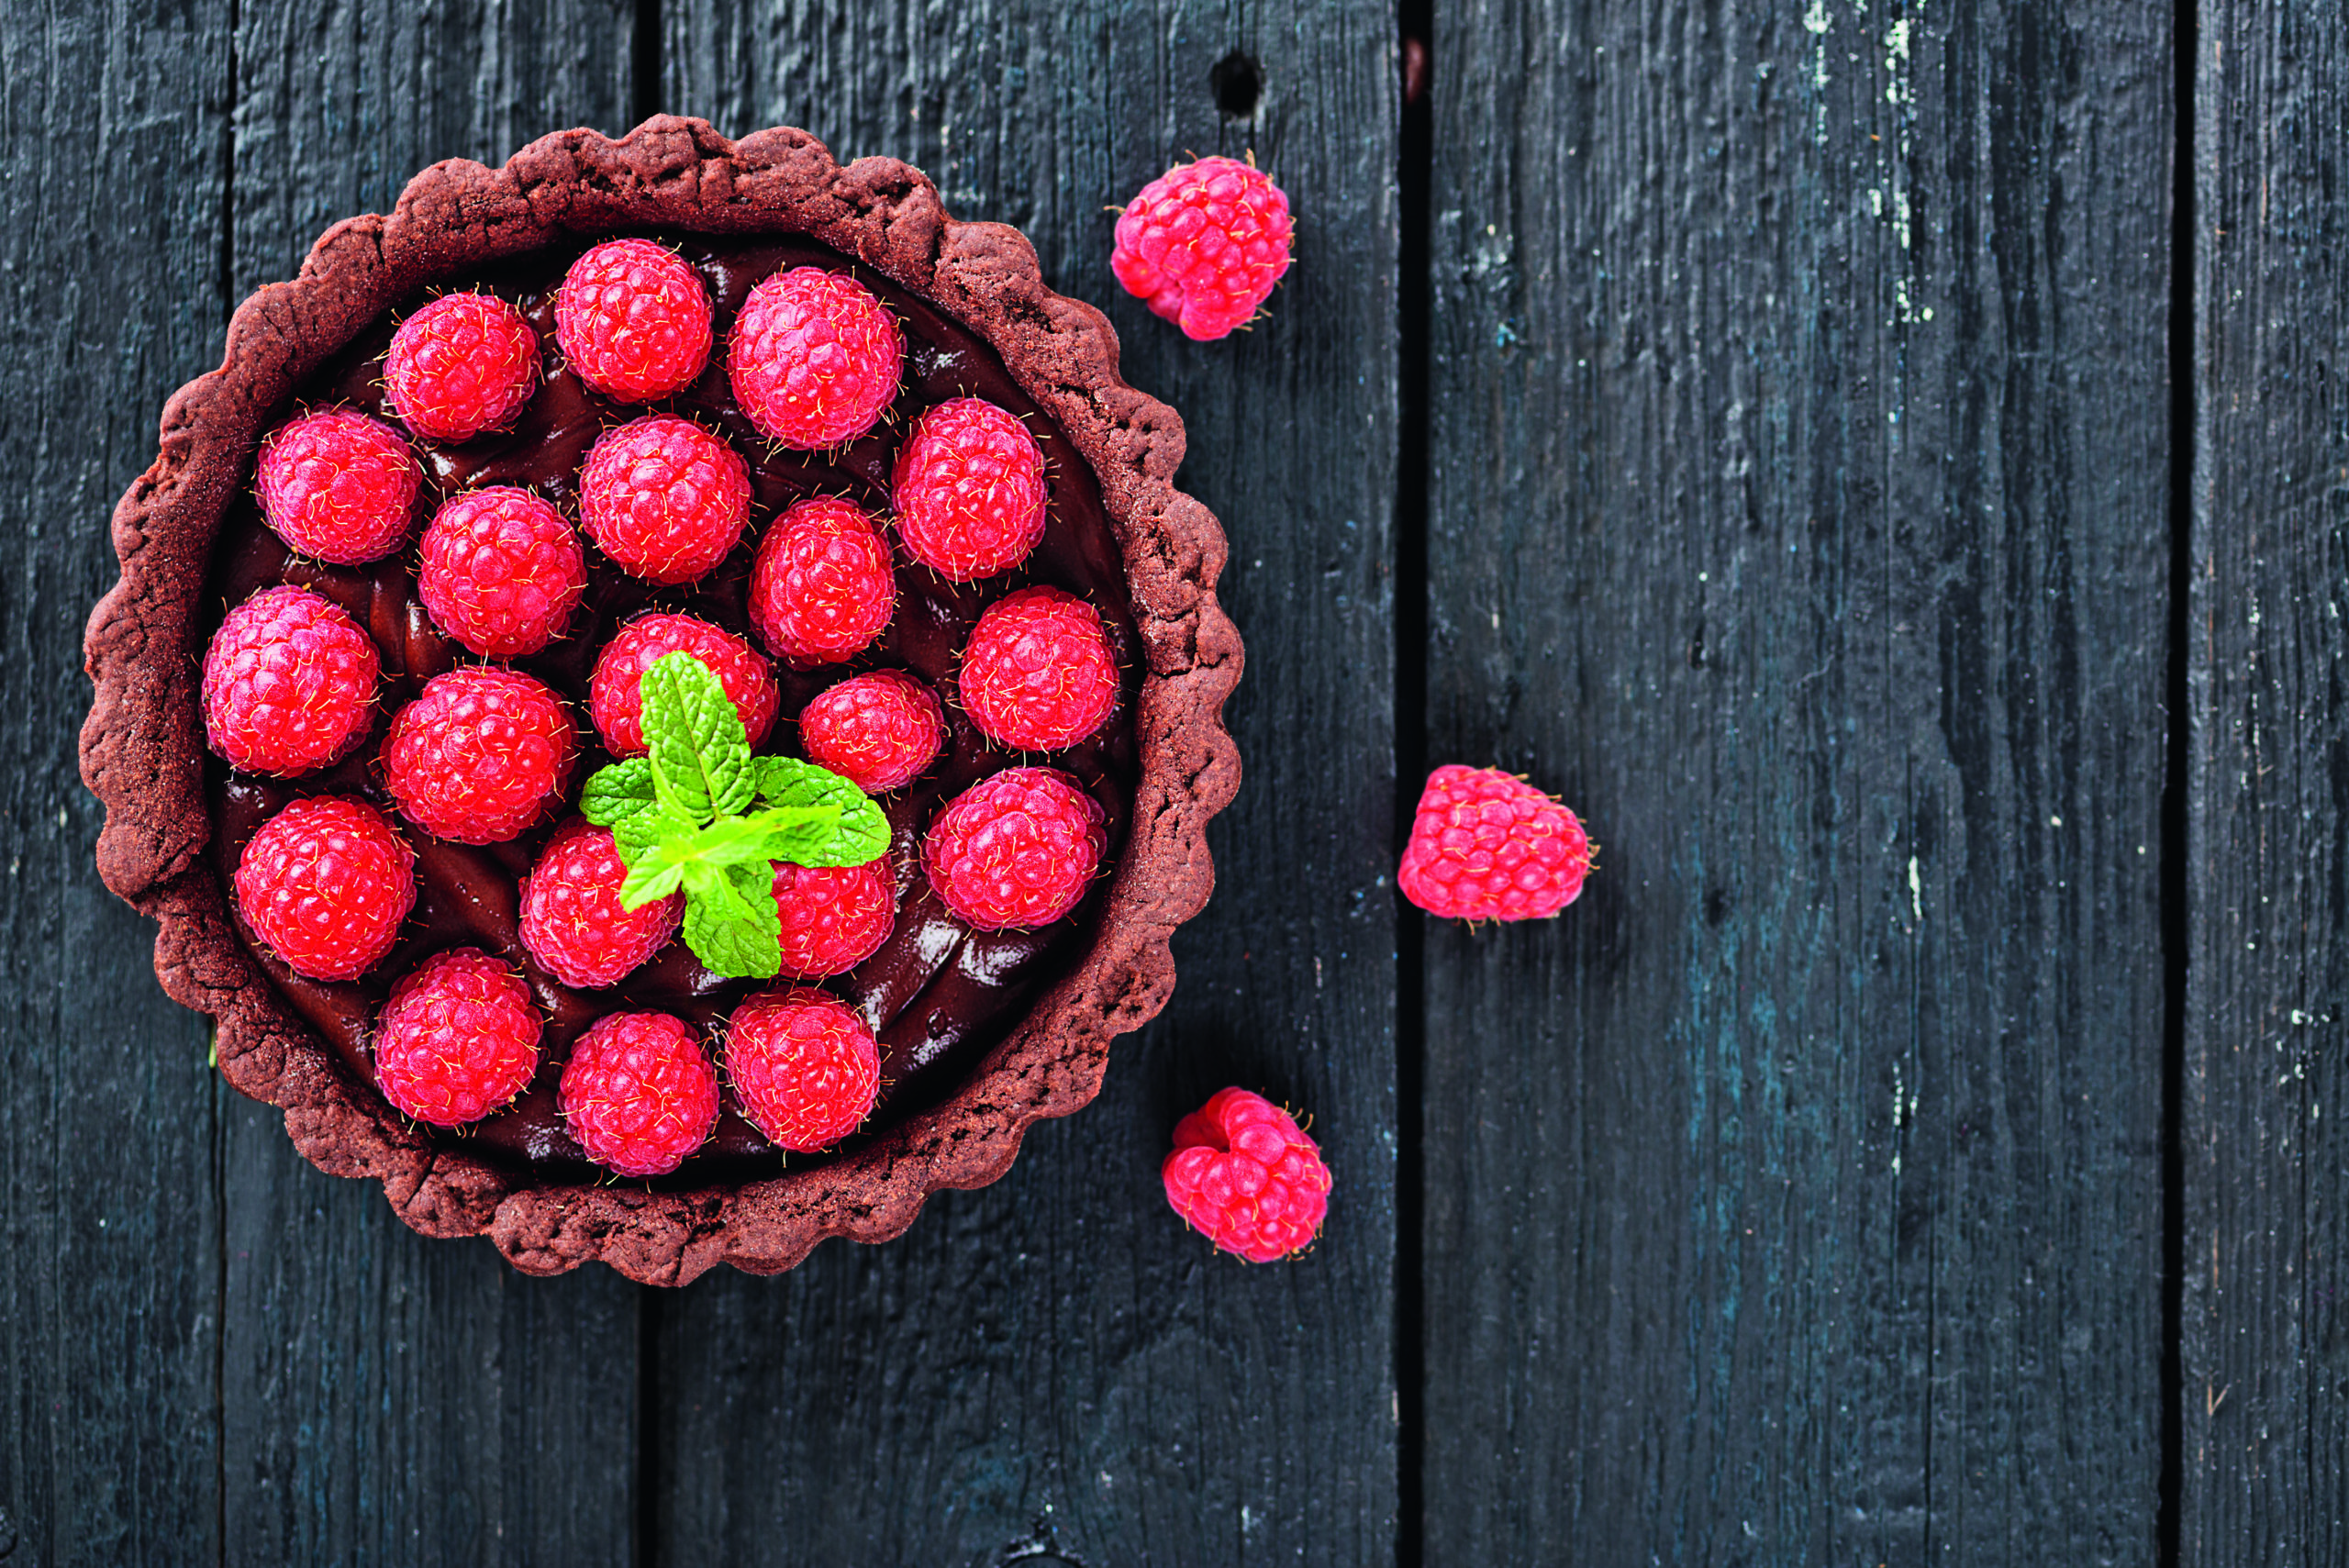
462	364
289	682
804	1066
457	1040
1244	1176
616	703
326	884
1037	673
820	585
502	571
833	918
1015	849
637	1093
814	358
338	485
573	920
481	755
633	320
969	490
665	499
879	730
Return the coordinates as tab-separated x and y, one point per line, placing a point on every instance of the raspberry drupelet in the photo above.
326	884
1204	244
1247	1178
821	589
1037	673
1015	849
502	571
614	698
665	499
482	754
637	1093
969	490
573	921
814	358
633	320
337	486
1486	845
878	730
462	364
289	683
805	1069
834	918
457	1040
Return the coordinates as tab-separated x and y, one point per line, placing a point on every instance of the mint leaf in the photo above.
860	832
641	835
738	841
732	924
701	760
649	882
614	794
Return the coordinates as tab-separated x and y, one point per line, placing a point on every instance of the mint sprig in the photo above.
701	815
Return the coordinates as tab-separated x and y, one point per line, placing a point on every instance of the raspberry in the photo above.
1486	845
464	363
633	320
1015	850
502	571
481	755
821	589
339	486
1203	245
457	1040
878	731
814	358
805	1067
665	499
969	489
638	1094
1037	673
325	885
1246	1178
834	918
615	702
572	919
289	682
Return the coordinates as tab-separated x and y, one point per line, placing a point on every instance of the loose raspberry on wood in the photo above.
457	1040
637	1093
633	320
502	571
822	587
834	918
969	490
1015	849
289	683
325	884
615	699
1204	244
665	499
814	358
1247	1178
878	730
337	486
573	921
804	1066
1037	673
1486	845
462	364
481	755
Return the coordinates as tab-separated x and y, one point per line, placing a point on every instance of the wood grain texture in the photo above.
390	1399
1798	513
112	148
2265	1358
1052	1364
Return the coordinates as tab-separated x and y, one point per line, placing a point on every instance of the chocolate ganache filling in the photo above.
937	994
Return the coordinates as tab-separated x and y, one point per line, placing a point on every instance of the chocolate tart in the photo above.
980	1036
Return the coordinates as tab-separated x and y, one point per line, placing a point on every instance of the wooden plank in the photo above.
1052	1364
113	146
1797	510
2261	1408
390	1399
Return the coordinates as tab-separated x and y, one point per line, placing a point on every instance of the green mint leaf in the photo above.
732	924
739	840
641	835
860	832
701	760
614	794
648	881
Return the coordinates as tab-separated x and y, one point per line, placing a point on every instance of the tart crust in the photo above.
142	753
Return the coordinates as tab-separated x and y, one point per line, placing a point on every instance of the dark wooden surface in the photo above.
1806	434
